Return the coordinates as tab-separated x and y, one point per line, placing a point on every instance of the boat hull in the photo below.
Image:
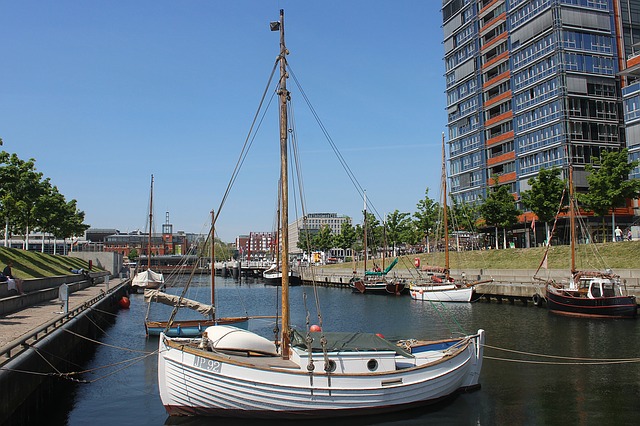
196	382
601	307
442	293
395	287
275	278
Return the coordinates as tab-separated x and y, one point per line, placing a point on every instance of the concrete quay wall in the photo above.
29	379
515	283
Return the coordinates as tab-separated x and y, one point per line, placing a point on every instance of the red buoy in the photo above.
380	335
315	328
124	302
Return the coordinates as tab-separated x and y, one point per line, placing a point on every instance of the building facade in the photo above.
532	84
312	223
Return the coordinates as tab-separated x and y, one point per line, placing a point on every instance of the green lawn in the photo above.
622	255
31	264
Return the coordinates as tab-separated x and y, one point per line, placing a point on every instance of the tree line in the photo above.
29	202
609	187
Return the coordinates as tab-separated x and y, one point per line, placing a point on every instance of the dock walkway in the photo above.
30	318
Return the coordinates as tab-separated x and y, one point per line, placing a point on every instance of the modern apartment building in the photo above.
534	84
313	222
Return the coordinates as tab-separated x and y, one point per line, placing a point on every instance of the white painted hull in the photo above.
441	293
197	382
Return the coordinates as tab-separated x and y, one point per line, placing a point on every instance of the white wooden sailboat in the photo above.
236	373
148	278
439	286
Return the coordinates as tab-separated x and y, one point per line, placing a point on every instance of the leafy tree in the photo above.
374	233
133	255
398	226
426	216
499	210
609	183
543	198
306	240
463	216
324	239
347	236
20	191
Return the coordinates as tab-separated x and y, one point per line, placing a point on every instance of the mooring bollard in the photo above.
106	282
63	295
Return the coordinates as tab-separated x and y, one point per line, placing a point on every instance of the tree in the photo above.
21	188
609	183
426	216
545	194
398	226
28	202
499	210
324	239
347	236
306	241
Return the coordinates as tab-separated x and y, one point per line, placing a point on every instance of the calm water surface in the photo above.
518	388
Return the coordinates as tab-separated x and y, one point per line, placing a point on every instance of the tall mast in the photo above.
364	227
150	226
213	271
284	182
445	213
572	220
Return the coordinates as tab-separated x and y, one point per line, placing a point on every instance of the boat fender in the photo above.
179	330
124	302
537	300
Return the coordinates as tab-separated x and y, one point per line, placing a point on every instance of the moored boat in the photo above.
591	294
237	373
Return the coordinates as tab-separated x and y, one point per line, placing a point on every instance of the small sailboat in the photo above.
375	281
148	278
591	294
190	327
439	286
236	373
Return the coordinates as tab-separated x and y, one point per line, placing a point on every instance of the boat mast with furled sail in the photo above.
232	372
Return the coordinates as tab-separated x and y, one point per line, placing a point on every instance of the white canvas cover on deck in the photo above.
148	278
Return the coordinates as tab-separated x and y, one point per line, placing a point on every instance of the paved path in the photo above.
17	324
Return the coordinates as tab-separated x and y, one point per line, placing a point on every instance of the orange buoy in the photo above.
124	302
315	328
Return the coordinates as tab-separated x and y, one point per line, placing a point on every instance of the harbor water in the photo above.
539	368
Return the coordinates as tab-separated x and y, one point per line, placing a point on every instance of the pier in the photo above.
39	339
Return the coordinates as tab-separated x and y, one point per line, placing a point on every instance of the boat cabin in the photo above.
596	287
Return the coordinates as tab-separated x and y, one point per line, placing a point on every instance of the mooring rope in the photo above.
565	359
106	344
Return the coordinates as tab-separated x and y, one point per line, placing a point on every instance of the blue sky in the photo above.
105	94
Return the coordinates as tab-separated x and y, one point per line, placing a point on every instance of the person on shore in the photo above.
629	235
618	233
13	283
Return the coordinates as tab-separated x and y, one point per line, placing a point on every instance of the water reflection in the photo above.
517	387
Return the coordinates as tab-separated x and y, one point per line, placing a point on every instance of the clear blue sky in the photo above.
104	94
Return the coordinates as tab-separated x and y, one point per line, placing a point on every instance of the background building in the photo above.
312	223
532	85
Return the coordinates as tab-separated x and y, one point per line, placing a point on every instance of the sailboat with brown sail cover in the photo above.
591	294
189	327
237	373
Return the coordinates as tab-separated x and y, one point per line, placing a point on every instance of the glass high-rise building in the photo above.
535	84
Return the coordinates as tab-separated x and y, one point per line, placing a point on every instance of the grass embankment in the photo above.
622	255
32	264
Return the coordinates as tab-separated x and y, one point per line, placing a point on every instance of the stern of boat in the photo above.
472	381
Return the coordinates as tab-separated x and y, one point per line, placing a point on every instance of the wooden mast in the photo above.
364	226
213	270
284	213
150	226
445	213
572	221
